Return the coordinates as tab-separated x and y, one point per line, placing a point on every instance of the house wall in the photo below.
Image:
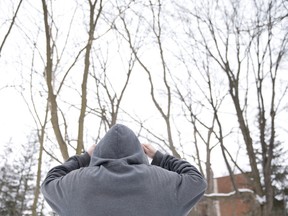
224	202
237	205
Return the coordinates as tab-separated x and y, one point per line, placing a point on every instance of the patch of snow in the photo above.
260	199
241	190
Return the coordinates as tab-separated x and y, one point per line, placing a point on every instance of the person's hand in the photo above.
91	149
149	150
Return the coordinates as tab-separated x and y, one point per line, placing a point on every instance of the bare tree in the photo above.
156	29
12	23
230	47
49	74
108	99
41	139
40	124
95	9
95	13
200	59
266	64
203	122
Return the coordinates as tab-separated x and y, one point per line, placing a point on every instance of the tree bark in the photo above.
41	136
49	79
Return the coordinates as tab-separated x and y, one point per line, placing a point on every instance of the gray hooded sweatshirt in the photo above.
119	181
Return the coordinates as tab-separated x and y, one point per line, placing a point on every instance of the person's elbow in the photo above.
199	186
192	187
203	185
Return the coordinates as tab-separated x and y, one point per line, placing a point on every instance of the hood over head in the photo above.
119	143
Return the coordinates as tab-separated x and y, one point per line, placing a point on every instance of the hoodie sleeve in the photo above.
190	183
51	187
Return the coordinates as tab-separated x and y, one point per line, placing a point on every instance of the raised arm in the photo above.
52	187
191	184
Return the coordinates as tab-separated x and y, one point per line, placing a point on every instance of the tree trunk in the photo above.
41	137
49	79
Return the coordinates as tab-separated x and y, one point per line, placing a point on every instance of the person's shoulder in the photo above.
85	171
161	171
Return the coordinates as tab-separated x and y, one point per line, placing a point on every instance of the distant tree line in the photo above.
17	179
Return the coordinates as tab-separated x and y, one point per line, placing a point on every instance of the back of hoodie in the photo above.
118	181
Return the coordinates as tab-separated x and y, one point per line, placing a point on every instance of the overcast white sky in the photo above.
15	120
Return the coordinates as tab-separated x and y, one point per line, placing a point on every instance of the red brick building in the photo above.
224	201
229	203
